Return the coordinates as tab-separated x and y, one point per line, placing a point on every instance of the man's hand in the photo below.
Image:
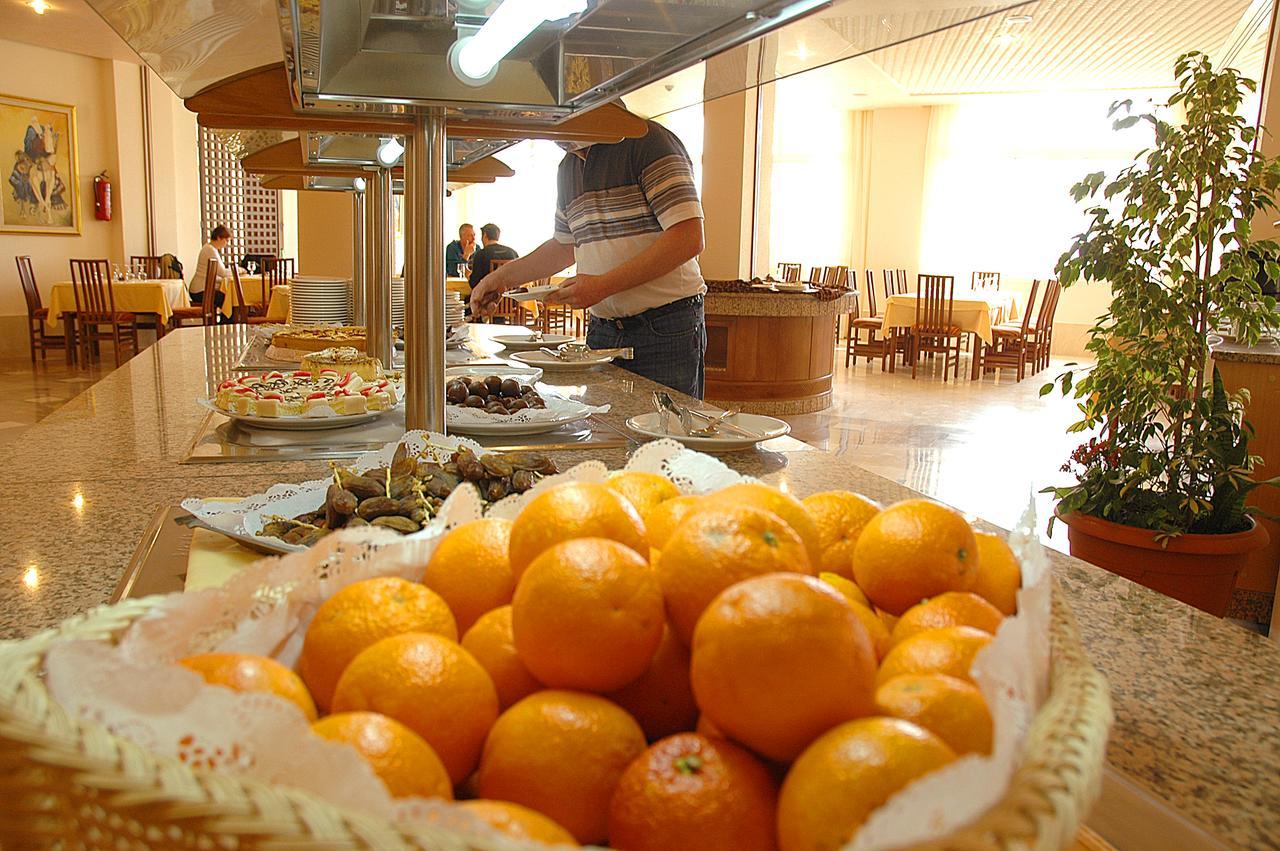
485	296
582	291
468	248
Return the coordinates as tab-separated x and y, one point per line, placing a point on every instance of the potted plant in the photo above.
1160	488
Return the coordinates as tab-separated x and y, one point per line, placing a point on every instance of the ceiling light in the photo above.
475	59
38	6
358	184
1018	20
389	151
1005	39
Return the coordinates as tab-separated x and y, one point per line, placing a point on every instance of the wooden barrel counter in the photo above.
771	352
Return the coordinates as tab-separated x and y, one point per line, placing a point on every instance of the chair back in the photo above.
836	276
150	264
985	280
901	276
790	272
935	298
890	283
208	307
1048	306
27	275
1031	303
91	283
870	290
276	271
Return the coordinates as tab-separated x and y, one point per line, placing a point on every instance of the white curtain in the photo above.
998	170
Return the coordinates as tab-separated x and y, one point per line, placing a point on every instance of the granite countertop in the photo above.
767	303
1196	698
1229	350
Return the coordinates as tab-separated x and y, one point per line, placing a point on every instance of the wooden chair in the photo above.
934	332
207	310
985	280
510	311
242	313
835	276
1009	346
1041	343
872	347
901	275
276	271
890	284
96	307
790	272
560	319
150	264
38	314
815	275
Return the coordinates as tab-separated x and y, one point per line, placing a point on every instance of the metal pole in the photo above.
378	260
424	189
358	257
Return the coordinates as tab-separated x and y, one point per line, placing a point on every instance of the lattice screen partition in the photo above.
230	197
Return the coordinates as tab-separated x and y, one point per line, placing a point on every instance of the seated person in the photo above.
219	239
482	260
458	254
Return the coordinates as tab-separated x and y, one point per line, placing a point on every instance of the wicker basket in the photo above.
72	784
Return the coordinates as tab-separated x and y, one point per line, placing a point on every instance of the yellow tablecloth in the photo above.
973	310
250	285
461	286
159	297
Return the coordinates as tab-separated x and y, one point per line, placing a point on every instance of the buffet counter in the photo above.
1196	698
772	352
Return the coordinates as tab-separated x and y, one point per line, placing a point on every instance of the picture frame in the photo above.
41	167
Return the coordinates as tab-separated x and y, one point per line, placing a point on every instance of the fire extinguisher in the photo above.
102	198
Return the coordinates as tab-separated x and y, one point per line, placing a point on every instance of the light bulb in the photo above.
389	151
475	59
39	6
358	184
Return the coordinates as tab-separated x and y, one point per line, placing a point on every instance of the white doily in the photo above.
247	516
558	410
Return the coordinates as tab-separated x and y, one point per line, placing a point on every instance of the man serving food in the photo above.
628	214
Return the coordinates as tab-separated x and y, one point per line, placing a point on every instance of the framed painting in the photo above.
42	194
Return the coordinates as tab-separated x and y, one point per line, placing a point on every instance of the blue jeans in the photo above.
670	343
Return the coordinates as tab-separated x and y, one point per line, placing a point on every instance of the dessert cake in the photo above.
318	337
343	359
292	394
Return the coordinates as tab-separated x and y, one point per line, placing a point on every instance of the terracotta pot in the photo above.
1199	570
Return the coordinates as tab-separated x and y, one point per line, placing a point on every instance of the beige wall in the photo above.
727	192
325	234
108	100
895	192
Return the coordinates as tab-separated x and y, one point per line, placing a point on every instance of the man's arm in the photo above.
678	244
543	262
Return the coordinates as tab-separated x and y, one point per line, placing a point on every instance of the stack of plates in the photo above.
316	300
397	302
454	313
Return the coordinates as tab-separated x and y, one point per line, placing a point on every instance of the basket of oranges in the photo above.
615	662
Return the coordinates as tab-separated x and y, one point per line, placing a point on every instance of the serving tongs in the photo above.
578	352
715	422
258	545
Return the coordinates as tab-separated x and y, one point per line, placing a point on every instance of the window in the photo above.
229	196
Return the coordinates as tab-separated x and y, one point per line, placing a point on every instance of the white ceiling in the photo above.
68	25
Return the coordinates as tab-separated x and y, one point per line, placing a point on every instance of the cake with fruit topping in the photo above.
343	359
304	393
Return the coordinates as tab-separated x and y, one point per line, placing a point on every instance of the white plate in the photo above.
546	361
296	423
533	293
650	425
523	374
526	343
514	427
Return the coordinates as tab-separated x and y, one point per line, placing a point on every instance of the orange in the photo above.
493	643
999	574
519	822
950	650
691	793
914	550
661	700
786	506
561	753
432	686
954	608
360	615
400	757
845	586
573	510
889	621
718	547
840	517
846	774
470	570
707	728
953	710
588	615
245	672
662	520
880	639
780	659
643	490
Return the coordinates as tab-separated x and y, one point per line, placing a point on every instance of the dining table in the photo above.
279	301
972	311
155	296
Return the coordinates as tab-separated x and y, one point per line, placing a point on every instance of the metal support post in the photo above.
424	189
358	257
378	261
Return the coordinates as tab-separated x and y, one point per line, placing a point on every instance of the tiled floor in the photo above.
985	446
36	392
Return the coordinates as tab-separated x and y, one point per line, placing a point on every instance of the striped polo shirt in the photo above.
617	203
